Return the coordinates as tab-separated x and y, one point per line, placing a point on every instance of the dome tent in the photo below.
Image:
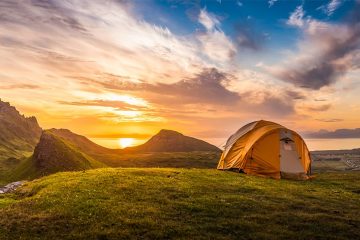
268	149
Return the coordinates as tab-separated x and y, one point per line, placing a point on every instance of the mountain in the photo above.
54	154
172	141
80	142
18	134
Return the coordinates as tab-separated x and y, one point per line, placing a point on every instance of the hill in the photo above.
138	157
18	134
337	152
181	204
18	138
172	141
62	150
80	142
54	154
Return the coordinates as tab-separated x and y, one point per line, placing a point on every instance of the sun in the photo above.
126	142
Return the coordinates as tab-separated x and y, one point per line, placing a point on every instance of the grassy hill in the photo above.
172	141
80	142
53	154
182	204
194	156
18	138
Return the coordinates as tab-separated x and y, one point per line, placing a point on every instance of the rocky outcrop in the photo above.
18	134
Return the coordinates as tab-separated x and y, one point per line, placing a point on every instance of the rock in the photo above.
11	187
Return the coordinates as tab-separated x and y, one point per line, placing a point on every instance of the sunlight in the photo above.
127	99
126	142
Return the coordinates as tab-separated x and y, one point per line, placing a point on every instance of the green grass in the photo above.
161	159
138	203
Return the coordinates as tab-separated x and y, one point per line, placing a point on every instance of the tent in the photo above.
267	149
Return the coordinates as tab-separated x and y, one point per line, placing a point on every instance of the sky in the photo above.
126	69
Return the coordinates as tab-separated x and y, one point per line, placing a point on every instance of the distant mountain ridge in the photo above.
342	151
27	152
18	134
172	141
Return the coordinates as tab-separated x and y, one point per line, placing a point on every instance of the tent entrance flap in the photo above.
289	157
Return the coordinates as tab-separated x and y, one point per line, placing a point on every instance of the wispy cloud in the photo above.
20	86
327	52
318	108
296	18
215	44
330	120
206	87
209	21
272	2
331	7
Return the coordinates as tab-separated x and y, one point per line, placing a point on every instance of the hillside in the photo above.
53	154
18	138
181	204
337	152
156	156
80	142
18	134
172	141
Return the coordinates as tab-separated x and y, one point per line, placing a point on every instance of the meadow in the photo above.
153	203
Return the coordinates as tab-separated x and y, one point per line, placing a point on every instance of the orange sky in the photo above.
115	75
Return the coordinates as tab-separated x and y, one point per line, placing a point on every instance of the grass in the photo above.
161	159
329	166
153	203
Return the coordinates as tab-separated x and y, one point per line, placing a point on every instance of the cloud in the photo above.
295	95
247	37
276	106
331	7
71	37
265	103
210	22
318	108
326	53
330	120
297	17
20	86
338	133
271	3
105	103
206	87
215	44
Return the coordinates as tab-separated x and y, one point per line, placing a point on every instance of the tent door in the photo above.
289	157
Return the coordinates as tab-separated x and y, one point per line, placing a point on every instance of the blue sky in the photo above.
265	21
204	68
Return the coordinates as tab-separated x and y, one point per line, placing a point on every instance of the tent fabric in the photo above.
241	132
257	147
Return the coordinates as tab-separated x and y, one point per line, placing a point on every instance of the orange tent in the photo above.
267	149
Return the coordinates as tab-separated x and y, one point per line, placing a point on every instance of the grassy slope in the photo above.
67	158
179	203
162	159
